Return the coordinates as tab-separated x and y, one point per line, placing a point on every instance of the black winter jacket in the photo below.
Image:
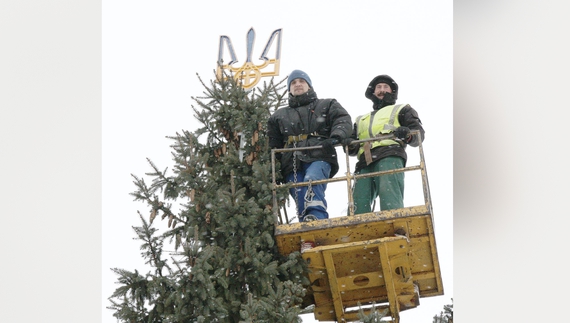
407	117
318	118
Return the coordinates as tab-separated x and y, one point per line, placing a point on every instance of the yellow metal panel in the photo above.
383	257
350	284
335	292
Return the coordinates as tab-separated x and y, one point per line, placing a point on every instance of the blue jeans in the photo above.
310	201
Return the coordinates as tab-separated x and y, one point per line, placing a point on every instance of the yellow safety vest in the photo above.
381	121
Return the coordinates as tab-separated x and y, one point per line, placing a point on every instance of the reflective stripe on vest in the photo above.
377	122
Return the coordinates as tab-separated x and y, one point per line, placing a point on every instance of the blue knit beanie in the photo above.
296	74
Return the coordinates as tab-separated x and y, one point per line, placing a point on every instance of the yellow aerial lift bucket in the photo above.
382	260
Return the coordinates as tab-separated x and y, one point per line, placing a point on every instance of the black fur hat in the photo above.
381	79
389	98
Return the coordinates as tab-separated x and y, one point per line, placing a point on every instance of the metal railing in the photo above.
349	177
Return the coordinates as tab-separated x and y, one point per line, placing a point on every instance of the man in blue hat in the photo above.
308	121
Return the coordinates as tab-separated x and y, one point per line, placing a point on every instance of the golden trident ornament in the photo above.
250	74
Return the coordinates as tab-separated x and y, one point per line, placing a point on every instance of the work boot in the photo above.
309	218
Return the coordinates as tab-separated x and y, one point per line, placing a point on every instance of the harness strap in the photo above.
367	154
292	139
301	137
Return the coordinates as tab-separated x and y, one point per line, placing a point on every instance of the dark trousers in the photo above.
389	187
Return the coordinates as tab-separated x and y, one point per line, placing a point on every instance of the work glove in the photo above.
402	132
328	144
347	141
349	147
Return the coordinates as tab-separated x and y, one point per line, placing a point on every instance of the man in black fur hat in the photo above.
373	156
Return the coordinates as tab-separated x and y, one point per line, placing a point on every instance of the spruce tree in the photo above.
218	221
446	316
375	314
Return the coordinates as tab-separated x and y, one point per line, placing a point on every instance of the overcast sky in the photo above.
152	52
510	87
